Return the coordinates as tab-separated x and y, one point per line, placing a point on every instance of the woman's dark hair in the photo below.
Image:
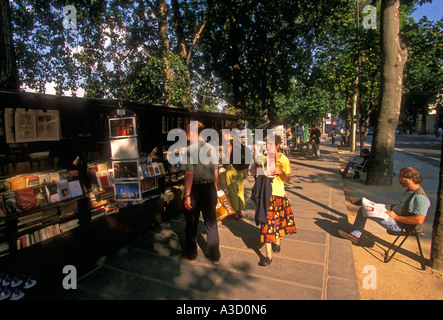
277	139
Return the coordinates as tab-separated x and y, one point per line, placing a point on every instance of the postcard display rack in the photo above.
36	203
135	177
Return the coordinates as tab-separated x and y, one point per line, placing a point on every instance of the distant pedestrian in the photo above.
234	178
200	195
333	136
315	141
278	220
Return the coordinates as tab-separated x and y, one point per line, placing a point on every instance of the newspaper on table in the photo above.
374	210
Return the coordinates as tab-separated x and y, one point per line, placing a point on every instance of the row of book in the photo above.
16	201
4	244
43	217
4	248
35	179
30	239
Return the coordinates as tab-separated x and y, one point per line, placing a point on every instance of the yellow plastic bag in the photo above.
223	207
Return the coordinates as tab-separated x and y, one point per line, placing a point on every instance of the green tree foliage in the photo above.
423	72
264	59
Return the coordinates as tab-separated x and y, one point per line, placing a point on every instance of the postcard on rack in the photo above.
127	190
124	149
125	169
374	210
122	127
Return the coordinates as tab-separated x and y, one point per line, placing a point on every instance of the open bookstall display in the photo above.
37	206
135	177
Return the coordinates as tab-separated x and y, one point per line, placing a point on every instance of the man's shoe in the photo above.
189	258
216	261
349	236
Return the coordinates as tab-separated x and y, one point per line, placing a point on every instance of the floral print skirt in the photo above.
280	220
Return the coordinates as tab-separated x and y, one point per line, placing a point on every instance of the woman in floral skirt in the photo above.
280	219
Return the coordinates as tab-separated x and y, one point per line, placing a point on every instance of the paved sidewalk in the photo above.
314	264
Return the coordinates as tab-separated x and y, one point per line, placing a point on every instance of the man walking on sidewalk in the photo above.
200	194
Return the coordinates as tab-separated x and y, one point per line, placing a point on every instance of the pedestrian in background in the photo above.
234	179
200	195
315	141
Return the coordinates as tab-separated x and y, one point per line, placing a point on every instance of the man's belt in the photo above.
202	182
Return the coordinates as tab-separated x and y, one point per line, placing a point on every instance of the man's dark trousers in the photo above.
204	199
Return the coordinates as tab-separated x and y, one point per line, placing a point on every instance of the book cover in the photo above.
144	169
73	175
43	178
111	176
41	198
95	187
104	180
5	185
18	183
52	192
10	201
102	166
32	180
63	190
75	188
156	168
64	174
161	168
26	199
54	177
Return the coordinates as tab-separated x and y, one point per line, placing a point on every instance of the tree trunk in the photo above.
393	59
8	66
437	227
164	48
